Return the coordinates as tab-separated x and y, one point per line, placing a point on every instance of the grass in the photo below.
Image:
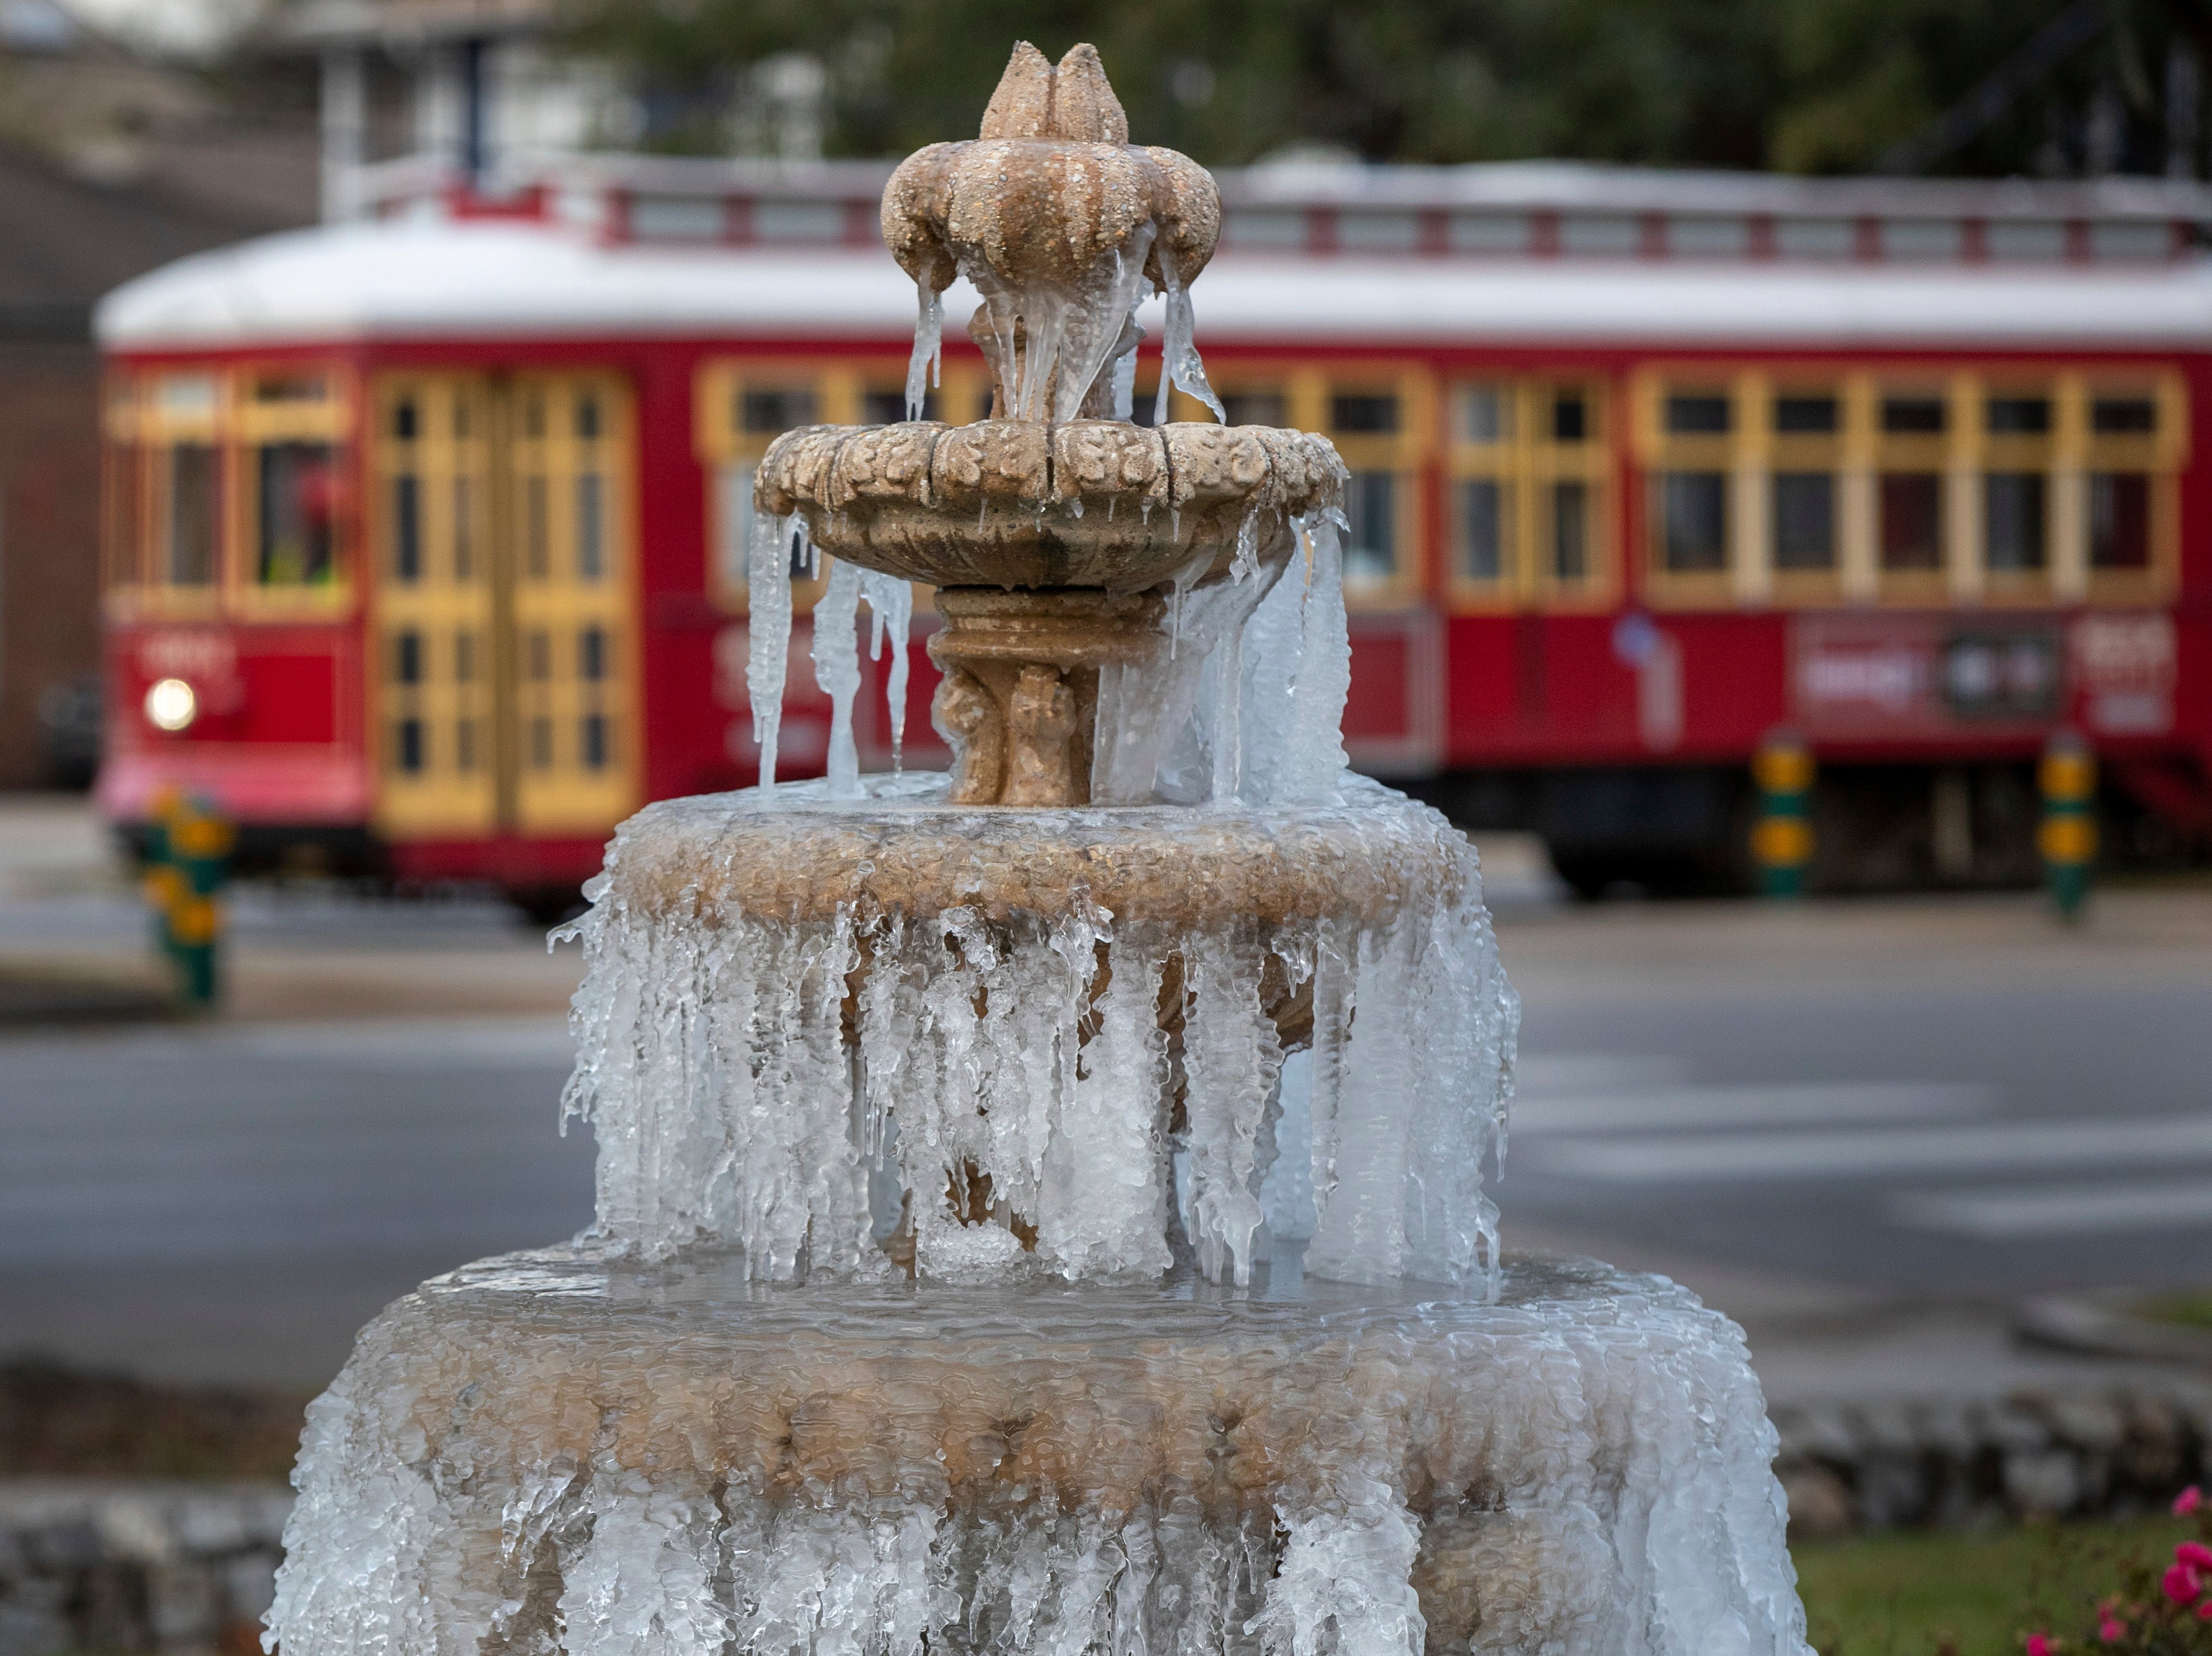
2191	1308
1925	1593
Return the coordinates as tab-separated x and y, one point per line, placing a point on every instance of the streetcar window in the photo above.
1694	521
409	744
541	743
465	657
465	744
186	393
592	654
1570	418
1570	530
407	657
1697	414
1485	414
769	411
1913	416
298	488
1145	406
2018	415
190	543
536	529
1805	519
407	528
2123	416
2012	520
1804	415
461	419
533	415
587	418
540	650
591	538
292	388
1256	408
1370	551
1483	516
404	422
591	734
2119	520
1364	414
464	553
1911	509
887	408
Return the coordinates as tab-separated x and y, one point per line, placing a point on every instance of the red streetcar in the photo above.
425	534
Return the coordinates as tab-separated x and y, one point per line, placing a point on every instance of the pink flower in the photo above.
2110	1631
2188	1502
2195	1554
2181	1583
2039	1644
2204	1610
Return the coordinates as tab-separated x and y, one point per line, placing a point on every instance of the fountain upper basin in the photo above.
1098	503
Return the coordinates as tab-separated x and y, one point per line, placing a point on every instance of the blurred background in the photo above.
1776	534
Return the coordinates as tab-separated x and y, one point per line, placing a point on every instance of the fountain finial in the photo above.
1037	101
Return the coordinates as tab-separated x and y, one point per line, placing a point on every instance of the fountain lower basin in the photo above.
567	1448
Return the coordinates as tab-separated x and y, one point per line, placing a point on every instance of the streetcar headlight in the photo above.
171	705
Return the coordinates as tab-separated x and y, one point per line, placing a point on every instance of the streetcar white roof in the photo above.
476	280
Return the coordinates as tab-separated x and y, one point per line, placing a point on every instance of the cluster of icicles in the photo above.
1074	332
1241	703
745	1092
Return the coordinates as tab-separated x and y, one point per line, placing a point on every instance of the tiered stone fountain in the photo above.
1041	1208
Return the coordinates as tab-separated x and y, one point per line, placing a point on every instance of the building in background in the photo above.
110	165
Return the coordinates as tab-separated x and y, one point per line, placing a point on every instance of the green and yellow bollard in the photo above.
188	862
1782	841
2069	837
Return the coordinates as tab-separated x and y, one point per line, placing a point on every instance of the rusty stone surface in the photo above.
1018	701
1096	503
801	857
1051	187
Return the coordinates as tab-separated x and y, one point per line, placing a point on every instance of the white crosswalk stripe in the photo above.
1796	1104
1629	1121
2011	1213
1716	1157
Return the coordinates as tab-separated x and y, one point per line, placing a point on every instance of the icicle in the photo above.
837	671
1313	762
1228	733
890	602
1232	1059
1245	562
767	642
926	367
1179	347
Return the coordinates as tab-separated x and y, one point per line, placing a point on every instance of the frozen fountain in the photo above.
1040	1207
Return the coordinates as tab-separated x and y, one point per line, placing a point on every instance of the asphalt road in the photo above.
1922	1104
1921	1140
233	1202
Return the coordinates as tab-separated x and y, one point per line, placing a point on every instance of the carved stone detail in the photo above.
1019	698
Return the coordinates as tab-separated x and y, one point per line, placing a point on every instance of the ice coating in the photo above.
926	367
1054	1224
767	608
558	1451
779	1001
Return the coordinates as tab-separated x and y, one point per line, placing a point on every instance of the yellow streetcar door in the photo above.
505	609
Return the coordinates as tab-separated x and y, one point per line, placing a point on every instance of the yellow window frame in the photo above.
1406	454
1527	461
